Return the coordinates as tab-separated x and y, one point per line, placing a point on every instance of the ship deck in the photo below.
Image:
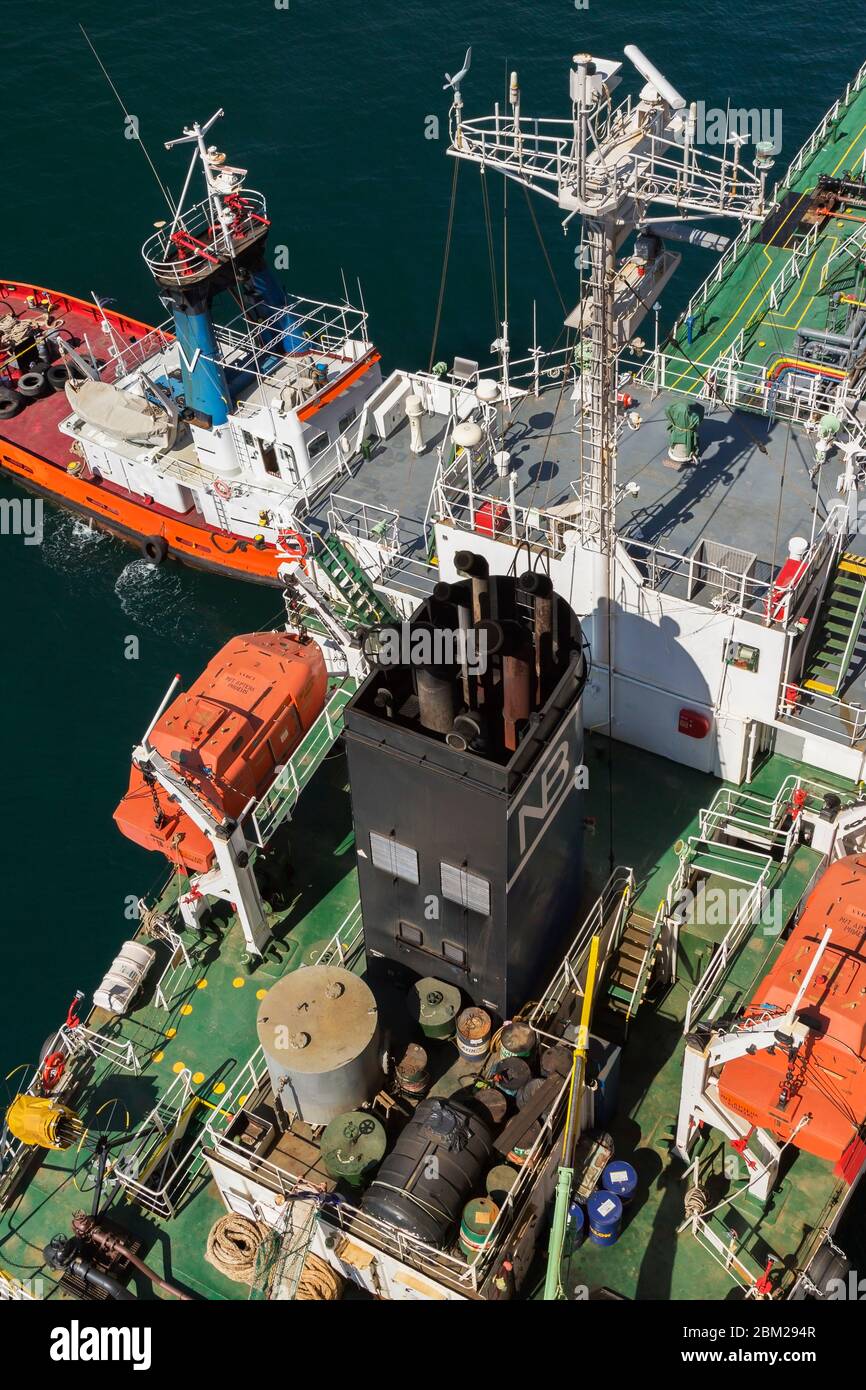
779	282
750	488
210	1029
35	428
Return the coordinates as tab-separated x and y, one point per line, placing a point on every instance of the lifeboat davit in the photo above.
226	736
827	1079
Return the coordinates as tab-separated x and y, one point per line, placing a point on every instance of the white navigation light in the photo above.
648	70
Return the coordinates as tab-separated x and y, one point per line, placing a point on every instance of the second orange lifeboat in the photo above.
226	736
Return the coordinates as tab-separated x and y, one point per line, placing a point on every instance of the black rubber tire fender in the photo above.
11	403
154	549
31	385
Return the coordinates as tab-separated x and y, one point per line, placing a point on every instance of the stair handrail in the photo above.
637	992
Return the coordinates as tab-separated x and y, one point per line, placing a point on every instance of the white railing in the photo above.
148	1168
347	943
712	978
815	793
729	813
683	575
646	963
607	915
826	715
733	251
169	260
119	1052
277	802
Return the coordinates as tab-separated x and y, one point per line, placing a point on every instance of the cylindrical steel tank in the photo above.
319	1031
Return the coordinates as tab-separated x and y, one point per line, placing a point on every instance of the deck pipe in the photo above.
540	589
517	671
456	594
476	568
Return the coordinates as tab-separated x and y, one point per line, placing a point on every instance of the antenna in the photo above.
454	82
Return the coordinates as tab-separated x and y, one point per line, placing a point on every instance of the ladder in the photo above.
838	627
632	967
350	580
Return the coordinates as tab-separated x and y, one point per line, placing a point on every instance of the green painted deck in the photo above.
210	1029
748	299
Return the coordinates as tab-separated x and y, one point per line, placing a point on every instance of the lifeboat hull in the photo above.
826	1079
227	736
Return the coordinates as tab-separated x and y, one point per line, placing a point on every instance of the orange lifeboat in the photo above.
825	1078
226	736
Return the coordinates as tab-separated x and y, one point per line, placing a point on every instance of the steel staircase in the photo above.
633	961
350	580
839	627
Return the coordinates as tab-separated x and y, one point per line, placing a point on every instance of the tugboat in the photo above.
198	440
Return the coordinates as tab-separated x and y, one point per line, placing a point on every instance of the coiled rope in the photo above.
232	1245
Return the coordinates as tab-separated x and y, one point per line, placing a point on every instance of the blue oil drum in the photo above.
575	1229
604	1211
620	1179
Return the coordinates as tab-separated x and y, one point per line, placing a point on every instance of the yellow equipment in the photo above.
43	1122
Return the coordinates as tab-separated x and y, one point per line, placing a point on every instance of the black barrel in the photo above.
405	1193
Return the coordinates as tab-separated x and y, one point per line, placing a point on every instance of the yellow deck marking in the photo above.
198	1077
158	1056
847	566
242	1100
186	1010
202	984
260	993
178	1067
170	1032
219	1088
238	982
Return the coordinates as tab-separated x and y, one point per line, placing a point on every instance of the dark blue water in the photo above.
327	104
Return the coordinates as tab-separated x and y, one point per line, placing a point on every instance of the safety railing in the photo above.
278	801
346	946
742	815
753	905
194	243
646	965
838	720
158	1165
812	798
684	576
119	1052
605	918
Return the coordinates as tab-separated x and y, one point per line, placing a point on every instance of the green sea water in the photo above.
329	105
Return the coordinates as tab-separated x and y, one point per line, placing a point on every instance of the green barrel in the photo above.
500	1181
478	1218
435	1005
517	1040
352	1146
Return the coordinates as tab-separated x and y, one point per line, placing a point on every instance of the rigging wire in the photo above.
445	260
127	114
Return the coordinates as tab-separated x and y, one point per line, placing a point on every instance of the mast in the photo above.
606	164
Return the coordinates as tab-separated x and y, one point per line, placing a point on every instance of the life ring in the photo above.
52	1069
292	545
154	549
222	489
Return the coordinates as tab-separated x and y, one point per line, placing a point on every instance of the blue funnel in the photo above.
269	296
204	383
